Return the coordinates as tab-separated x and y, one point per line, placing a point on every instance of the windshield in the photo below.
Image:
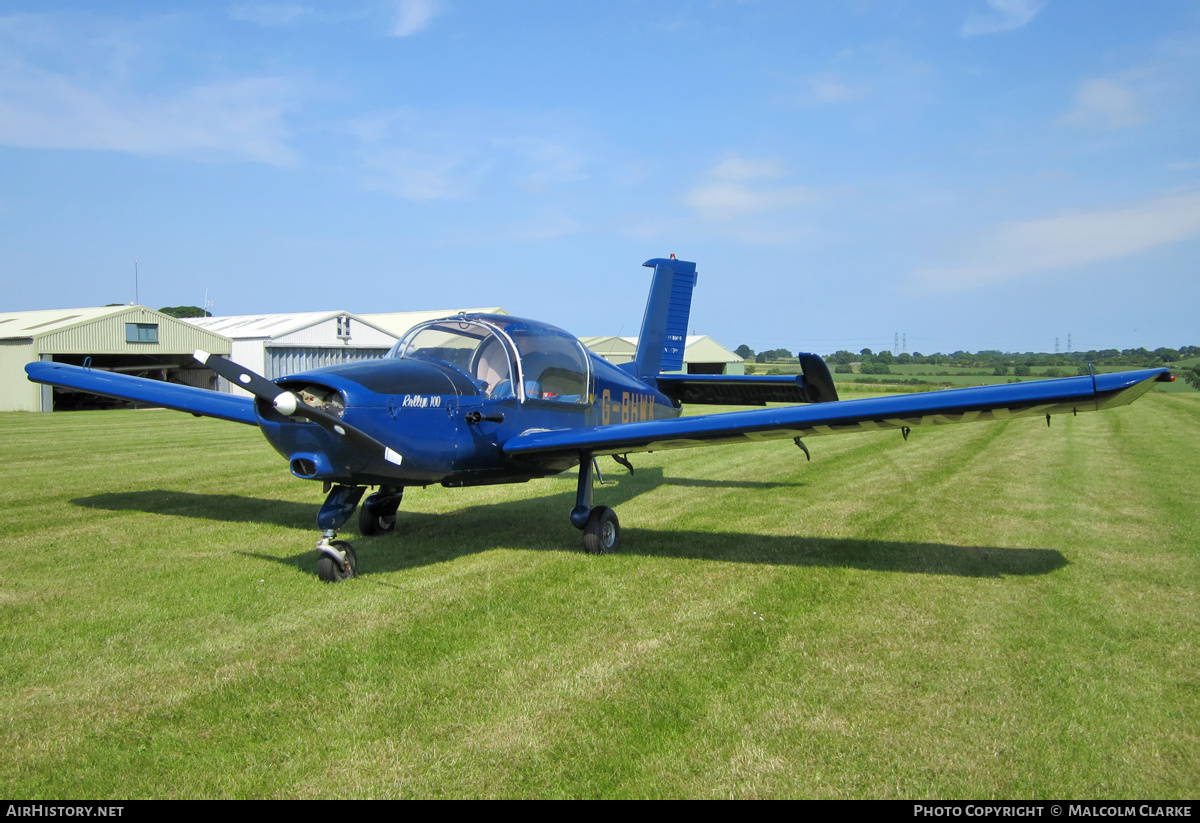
554	366
472	348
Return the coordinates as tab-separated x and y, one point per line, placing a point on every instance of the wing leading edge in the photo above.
155	392
1042	397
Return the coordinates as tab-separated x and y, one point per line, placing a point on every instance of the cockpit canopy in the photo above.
505	356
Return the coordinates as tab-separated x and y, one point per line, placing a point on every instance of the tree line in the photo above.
991	358
995	362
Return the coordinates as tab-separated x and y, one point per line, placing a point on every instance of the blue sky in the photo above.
979	174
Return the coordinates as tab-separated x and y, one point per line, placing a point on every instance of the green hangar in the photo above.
130	339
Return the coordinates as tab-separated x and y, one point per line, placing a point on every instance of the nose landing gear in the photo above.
337	561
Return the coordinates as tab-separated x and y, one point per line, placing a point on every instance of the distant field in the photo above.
988	610
959	377
958	381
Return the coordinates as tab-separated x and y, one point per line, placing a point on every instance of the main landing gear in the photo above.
337	560
378	513
599	524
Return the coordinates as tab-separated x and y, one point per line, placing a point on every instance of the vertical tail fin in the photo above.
664	327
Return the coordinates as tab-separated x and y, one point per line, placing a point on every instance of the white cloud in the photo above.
1003	15
413	16
823	88
271	15
543	161
542	228
1013	250
826	89
421	176
1105	104
729	201
729	195
109	90
425	156
739	168
227	120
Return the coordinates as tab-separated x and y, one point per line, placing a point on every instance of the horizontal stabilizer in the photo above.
1037	398
816	386
142	390
734	389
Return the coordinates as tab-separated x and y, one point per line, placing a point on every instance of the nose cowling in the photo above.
410	407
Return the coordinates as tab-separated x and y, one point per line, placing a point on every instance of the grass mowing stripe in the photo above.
968	614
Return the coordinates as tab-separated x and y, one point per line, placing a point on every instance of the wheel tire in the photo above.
370	525
602	535
329	572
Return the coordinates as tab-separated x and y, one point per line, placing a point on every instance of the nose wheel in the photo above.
337	561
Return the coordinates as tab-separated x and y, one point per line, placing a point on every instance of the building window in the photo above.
343	327
141	332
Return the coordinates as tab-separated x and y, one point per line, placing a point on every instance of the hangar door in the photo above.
282	361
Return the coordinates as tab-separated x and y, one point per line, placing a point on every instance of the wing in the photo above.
155	392
1042	397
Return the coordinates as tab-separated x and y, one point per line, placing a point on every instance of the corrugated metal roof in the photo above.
19	324
399	322
242	326
105	330
272	326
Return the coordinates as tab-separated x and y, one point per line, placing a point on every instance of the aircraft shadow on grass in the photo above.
535	524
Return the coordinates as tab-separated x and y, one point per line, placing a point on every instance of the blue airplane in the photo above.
478	399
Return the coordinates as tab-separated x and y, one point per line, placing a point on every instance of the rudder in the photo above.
664	326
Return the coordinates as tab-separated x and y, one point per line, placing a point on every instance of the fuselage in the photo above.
447	398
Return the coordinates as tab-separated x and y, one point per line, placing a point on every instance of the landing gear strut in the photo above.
601	530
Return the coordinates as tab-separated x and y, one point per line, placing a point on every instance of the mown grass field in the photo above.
937	377
988	610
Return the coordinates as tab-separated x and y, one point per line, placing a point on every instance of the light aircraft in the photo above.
478	399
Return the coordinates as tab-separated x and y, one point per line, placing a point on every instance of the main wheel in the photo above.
378	512
329	572
372	525
602	535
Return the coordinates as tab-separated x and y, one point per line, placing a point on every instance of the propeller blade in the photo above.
256	384
289	404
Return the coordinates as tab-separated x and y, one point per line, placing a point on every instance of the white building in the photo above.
701	354
276	345
399	322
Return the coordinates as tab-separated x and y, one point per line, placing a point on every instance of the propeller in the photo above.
289	404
